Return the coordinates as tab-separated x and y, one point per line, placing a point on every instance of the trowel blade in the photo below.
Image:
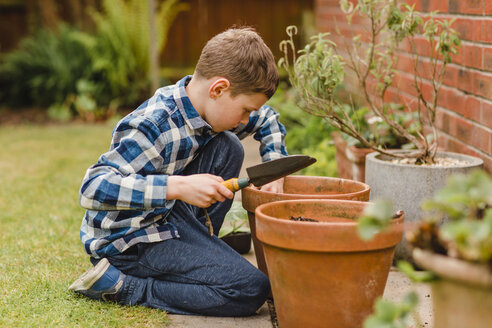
275	169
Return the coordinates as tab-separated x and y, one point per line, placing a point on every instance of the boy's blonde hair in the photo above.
241	56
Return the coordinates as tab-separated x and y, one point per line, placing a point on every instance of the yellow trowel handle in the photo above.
236	184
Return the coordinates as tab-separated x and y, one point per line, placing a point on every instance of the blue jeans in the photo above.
196	273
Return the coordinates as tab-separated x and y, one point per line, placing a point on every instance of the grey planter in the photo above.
408	185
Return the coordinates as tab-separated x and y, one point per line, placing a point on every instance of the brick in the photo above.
488	7
451	76
454	146
417	3
478	26
463	129
466	6
480	138
459	58
442	121
464	26
472	108
473	6
433	5
487	58
482	84
473	55
452	99
464	81
487	30
486	117
487	164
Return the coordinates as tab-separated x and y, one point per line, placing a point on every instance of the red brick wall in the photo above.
464	115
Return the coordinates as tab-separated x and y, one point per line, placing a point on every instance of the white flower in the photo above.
374	119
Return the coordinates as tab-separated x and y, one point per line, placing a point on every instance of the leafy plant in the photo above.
317	70
375	130
388	314
120	46
375	218
309	135
235	221
416	276
458	222
84	74
45	69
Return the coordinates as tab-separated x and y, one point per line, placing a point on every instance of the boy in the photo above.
145	198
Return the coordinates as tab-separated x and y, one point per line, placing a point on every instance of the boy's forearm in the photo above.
103	189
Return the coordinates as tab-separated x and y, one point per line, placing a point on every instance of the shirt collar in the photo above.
192	118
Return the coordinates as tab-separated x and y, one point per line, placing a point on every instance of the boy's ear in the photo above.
218	87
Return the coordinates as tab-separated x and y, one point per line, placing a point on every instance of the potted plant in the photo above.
453	243
405	176
321	272
235	231
351	153
299	187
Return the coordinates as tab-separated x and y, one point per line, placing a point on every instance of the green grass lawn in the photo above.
41	168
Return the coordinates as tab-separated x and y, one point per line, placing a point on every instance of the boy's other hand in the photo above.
276	186
200	190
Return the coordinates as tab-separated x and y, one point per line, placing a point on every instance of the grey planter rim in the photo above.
472	160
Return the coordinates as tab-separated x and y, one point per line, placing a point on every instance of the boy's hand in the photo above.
276	186
200	190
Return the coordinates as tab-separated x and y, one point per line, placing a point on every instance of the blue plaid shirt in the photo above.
125	191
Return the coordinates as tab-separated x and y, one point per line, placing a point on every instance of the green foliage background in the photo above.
87	74
306	134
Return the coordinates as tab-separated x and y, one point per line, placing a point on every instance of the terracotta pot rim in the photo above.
321	236
474	274
312	201
316	196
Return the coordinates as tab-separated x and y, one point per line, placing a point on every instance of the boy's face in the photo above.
226	112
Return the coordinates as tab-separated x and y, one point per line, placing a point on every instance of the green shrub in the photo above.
88	75
306	134
45	69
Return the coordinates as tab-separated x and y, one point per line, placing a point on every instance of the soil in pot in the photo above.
322	273
299	187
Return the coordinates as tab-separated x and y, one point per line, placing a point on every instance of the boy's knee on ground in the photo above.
254	294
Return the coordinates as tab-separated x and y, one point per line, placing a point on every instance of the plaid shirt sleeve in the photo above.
126	176
267	129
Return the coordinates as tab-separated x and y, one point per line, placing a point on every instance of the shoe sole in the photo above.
88	279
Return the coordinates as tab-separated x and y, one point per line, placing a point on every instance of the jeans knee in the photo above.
230	143
257	293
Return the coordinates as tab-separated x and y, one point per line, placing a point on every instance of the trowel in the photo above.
264	173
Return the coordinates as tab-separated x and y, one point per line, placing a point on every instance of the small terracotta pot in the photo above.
238	241
322	274
299	187
351	161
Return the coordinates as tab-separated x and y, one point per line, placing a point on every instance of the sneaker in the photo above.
101	282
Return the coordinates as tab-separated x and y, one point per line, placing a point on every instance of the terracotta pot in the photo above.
322	274
299	187
351	161
462	297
